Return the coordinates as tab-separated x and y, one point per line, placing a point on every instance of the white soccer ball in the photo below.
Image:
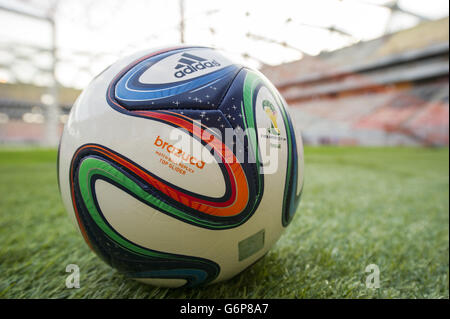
180	167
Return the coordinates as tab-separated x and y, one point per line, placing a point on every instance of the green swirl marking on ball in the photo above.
195	270
251	83
93	166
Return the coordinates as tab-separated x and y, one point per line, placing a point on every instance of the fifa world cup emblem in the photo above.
272	114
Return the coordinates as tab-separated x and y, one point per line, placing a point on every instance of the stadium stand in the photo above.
23	111
392	90
388	91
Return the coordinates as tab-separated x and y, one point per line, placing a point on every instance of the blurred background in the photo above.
355	72
371	73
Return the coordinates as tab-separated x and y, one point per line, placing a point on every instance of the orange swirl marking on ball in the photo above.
240	192
232	206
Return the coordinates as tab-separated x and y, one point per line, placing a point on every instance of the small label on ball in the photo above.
251	245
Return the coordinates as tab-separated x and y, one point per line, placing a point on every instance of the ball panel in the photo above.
254	93
185	64
118	251
198	79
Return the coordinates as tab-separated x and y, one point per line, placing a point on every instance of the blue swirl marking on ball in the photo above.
130	89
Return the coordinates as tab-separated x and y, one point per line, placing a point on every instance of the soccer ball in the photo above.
180	167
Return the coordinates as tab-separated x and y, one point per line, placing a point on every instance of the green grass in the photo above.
361	206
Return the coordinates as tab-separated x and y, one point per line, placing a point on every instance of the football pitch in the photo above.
387	207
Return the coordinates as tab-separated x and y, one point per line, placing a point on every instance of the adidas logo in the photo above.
190	63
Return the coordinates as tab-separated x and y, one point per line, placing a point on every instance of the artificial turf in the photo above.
361	206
